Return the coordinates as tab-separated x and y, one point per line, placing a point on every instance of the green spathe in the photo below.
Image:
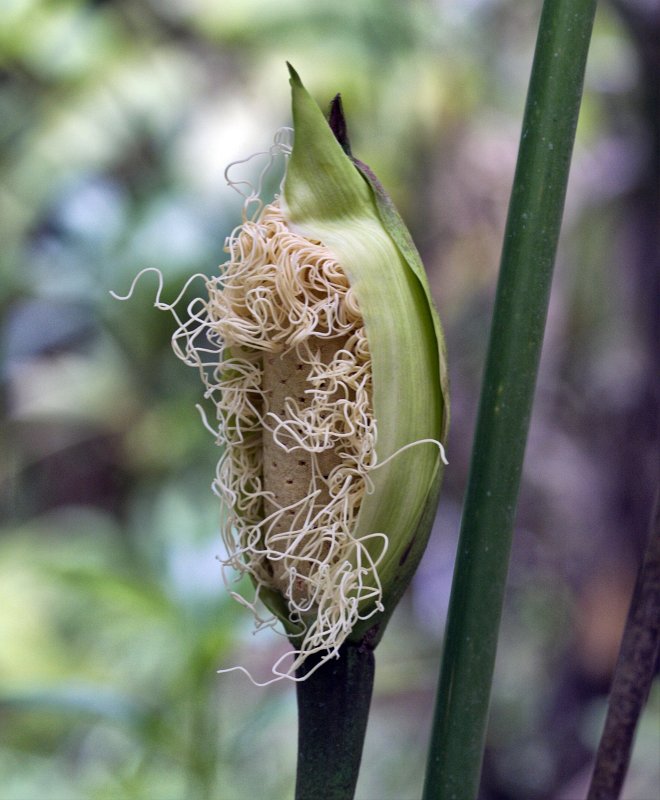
331	198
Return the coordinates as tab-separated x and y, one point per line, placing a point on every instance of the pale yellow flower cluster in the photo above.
292	389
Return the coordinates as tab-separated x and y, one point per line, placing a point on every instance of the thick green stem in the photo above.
516	337
333	707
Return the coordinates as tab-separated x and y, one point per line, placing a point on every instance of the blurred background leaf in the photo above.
117	120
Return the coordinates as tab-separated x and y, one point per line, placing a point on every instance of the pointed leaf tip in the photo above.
337	122
294	78
321	182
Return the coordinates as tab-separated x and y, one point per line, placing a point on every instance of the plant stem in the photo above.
333	707
633	674
516	337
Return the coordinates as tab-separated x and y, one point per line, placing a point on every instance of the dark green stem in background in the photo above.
516	337
633	674
333	707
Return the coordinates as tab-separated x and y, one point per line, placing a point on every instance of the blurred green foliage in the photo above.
117	120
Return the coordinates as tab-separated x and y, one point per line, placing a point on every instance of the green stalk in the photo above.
530	243
333	707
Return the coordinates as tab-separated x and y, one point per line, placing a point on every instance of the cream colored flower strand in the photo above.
282	352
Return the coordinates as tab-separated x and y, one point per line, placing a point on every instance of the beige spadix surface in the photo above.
287	473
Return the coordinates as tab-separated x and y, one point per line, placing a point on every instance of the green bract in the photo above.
331	198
